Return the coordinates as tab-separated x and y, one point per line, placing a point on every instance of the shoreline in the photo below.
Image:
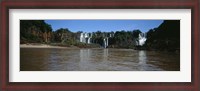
50	46
46	46
41	46
57	47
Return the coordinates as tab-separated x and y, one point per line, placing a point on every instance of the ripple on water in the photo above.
96	60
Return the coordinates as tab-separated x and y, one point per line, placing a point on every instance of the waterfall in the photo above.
85	36
107	41
89	40
81	37
104	41
142	39
84	40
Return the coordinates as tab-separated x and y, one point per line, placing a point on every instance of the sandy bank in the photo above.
42	46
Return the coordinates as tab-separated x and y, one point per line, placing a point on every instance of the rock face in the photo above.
35	31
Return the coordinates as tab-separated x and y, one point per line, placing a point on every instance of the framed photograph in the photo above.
100	45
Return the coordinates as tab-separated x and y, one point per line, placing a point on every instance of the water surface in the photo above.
55	59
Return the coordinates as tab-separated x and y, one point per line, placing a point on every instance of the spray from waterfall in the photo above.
142	39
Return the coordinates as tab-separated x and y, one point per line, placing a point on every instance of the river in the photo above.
55	59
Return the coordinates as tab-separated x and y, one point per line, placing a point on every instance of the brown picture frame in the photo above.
100	4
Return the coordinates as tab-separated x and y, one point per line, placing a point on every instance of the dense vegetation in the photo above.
35	31
164	37
124	39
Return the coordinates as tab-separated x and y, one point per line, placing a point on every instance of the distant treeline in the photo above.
164	37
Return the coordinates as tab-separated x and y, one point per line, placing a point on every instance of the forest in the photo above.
165	37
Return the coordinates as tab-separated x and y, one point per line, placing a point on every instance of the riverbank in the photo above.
42	46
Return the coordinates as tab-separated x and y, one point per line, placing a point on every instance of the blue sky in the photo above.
104	25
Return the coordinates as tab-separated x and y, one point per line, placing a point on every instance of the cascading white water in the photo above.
105	42
87	37
142	39
81	37
89	40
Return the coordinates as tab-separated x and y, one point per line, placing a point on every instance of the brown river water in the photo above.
55	59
